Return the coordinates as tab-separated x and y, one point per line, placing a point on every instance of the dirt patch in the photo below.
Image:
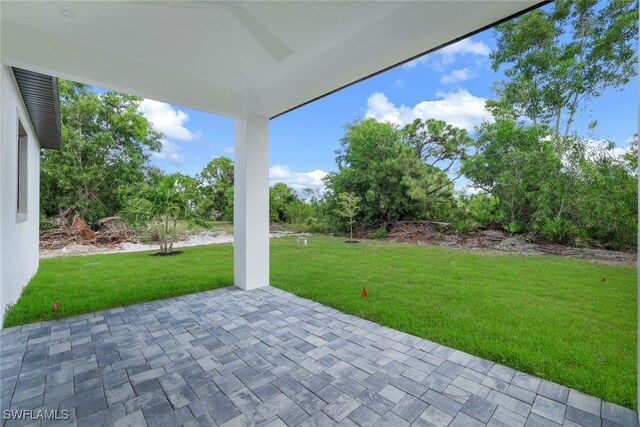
500	241
91	248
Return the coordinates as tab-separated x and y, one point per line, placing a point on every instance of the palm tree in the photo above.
161	203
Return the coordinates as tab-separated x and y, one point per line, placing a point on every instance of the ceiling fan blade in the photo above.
278	49
182	4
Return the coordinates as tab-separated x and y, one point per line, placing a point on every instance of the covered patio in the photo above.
267	357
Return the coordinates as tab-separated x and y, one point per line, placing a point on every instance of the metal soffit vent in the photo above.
40	95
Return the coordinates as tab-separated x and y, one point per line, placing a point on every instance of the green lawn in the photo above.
550	316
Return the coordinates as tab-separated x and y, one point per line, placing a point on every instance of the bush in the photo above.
514	227
380	233
559	230
464	226
47	223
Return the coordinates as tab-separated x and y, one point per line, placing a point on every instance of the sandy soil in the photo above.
204	238
520	246
502	243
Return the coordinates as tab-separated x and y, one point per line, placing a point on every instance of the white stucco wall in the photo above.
18	239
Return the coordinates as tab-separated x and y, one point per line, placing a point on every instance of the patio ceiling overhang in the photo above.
212	55
250	60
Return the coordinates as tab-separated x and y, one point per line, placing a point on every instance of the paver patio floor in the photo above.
267	357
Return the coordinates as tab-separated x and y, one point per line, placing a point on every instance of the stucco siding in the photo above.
18	234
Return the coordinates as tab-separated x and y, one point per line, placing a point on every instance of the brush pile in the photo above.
418	231
111	231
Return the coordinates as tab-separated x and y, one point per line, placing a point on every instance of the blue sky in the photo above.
451	84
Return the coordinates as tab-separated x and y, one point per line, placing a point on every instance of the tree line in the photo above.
527	170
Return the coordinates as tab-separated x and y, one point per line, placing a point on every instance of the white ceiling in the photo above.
207	56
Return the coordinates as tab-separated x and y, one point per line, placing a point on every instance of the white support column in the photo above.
251	203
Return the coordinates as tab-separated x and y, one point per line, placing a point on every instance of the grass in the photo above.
84	284
550	316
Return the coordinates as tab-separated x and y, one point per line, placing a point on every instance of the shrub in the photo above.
514	227
464	226
379	233
559	230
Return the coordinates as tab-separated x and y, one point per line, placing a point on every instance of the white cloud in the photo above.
468	189
465	47
599	147
460	109
170	151
297	180
458	75
447	55
228	150
168	120
399	82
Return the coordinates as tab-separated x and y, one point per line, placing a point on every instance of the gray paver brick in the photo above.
536	420
464	420
479	408
274	406
509	403
147	375
526	381
364	416
293	415
584	402
121	393
583	418
441	402
504	417
134	419
521	394
408	386
619	415
502	373
181	396
449	369
319	419
470	386
341	407
392	393
480	365
309	402
554	391
409	408
437	382
390	419
549	409
436	417
328	393
460	358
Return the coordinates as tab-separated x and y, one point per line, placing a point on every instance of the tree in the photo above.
562	188
349	209
284	203
162	202
106	144
377	163
512	161
560	58
217	188
437	144
607	198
